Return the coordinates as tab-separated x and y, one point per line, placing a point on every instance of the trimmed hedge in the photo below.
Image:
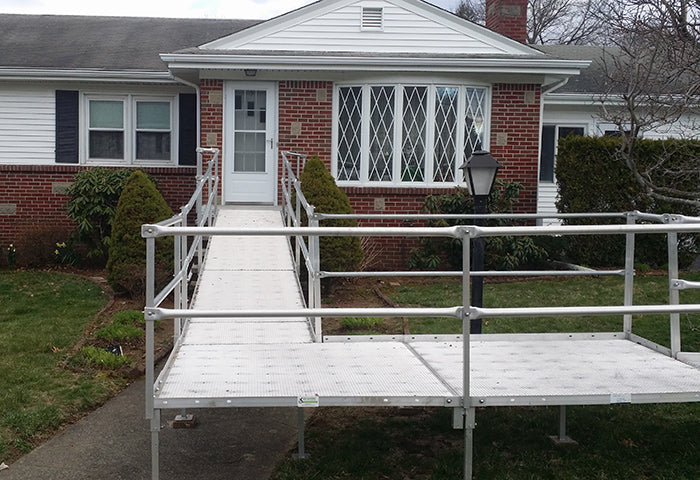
320	190
591	178
139	203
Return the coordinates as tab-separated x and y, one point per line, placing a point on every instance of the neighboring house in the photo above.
392	94
575	108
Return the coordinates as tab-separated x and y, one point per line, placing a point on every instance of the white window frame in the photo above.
398	112
129	101
557	126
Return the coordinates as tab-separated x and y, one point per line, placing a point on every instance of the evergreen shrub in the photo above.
591	178
320	190
501	253
139	203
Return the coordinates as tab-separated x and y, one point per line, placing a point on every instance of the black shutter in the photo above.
66	126
188	129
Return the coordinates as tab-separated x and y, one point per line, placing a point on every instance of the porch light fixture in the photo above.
480	174
250	72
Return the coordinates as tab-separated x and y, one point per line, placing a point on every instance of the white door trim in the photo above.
229	193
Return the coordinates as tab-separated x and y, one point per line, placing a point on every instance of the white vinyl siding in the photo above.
341	30
27	126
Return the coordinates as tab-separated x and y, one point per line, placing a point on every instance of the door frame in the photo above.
228	125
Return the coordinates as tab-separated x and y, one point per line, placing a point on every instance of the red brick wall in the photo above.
515	134
508	17
36	194
212	119
305	120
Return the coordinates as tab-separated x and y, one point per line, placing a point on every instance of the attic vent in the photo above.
372	18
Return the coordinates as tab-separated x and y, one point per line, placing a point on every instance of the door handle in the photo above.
272	142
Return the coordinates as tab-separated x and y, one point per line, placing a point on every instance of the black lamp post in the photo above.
480	174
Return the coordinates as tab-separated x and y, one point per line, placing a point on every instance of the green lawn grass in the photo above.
581	291
42	316
630	442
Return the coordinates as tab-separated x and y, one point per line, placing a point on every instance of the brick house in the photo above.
392	94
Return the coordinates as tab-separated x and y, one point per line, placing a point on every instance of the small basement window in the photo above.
372	18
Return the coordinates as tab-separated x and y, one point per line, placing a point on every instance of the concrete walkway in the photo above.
114	443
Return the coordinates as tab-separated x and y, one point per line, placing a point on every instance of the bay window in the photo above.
129	129
406	134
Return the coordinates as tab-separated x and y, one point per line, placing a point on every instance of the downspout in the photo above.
547	90
557	85
199	118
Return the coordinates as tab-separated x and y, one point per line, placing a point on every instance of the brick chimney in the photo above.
508	17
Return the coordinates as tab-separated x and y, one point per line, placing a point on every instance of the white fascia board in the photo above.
82	75
321	7
595	99
544	66
571	98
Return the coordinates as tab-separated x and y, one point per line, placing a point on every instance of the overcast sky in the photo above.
258	9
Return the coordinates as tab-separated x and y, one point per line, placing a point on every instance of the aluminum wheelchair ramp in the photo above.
241	273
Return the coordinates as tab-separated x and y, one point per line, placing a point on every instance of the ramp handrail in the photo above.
183	254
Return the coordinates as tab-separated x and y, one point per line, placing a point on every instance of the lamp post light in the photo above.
480	174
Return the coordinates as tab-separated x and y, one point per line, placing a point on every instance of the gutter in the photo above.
381	63
147	76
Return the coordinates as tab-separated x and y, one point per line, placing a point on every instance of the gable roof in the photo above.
396	26
101	44
415	36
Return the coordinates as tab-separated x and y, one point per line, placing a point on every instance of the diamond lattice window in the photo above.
349	133
415	101
474	122
407	134
381	144
444	147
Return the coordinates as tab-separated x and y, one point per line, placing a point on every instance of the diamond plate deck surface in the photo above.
288	371
539	367
273	361
243	273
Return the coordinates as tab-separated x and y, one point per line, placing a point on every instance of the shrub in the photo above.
319	188
139	203
592	179
93	202
501	253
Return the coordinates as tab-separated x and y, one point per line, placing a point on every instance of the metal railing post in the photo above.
183	267
629	274
314	277
150	333
673	293
469	412
177	267
299	238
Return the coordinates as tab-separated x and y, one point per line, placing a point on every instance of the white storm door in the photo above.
250	171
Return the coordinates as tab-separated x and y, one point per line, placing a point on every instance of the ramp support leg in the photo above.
155	430
301	454
469	424
562	438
